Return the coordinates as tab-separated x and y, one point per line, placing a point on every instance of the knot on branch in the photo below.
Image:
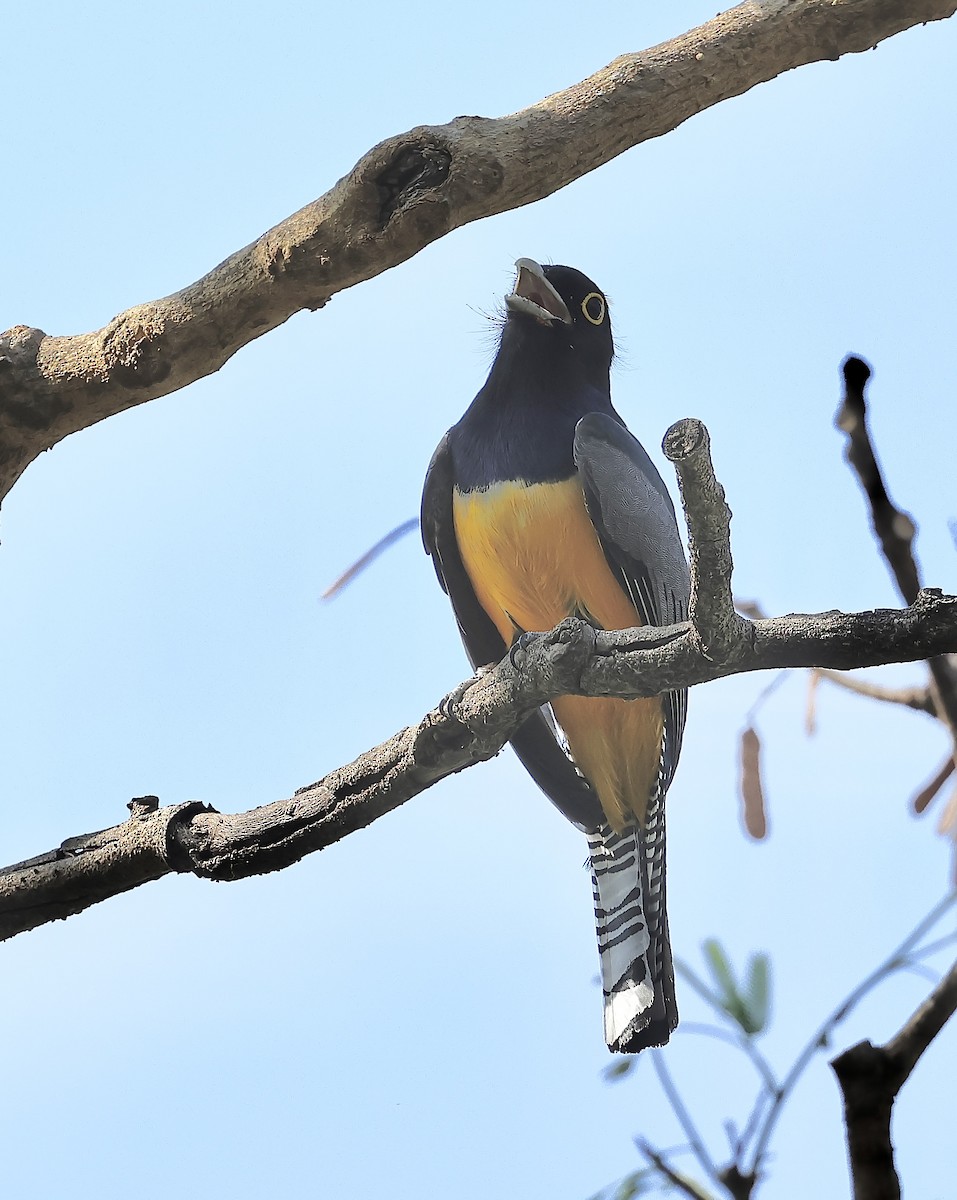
133	345
411	171
186	840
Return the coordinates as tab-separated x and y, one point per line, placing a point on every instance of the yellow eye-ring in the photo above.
593	308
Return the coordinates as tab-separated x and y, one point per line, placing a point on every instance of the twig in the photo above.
695	1141
930	790
762	696
917	698
894	528
370	556
687	1186
740	1042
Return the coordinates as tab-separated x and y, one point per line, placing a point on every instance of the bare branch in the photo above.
713	615
683	1117
918	698
404	194
909	1043
871	1078
686	1186
930	790
470	726
895	529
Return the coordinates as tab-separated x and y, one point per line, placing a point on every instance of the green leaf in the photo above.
748	1008
758	992
700	987
619	1068
733	1002
721	970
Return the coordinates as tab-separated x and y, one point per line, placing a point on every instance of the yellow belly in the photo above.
533	557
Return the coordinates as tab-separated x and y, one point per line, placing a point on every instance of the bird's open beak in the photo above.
535	297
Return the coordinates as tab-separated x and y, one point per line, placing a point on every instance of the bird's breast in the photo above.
534	558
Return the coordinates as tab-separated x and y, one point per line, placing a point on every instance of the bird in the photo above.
538	505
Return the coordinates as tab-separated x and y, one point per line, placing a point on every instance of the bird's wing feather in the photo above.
535	742
635	520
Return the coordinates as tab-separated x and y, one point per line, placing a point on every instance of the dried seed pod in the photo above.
752	793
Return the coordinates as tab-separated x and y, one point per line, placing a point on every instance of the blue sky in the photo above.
413	1011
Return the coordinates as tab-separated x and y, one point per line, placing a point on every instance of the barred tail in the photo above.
637	973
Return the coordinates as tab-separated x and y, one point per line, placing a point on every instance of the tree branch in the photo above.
404	194
918	698
474	723
871	1077
681	1183
894	529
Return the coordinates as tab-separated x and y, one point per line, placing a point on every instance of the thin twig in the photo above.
895	529
930	790
695	1141
740	1042
763	695
683	1184
933	947
917	698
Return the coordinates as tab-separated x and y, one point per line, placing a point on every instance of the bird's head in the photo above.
562	313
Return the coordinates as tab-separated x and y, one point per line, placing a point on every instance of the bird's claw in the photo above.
519	647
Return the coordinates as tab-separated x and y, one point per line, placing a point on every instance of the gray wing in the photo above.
634	517
632	512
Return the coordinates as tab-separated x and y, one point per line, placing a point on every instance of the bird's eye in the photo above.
593	308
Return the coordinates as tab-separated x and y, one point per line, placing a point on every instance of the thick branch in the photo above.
871	1077
405	193
476	721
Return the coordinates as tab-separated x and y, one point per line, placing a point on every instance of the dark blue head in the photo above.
558	324
550	371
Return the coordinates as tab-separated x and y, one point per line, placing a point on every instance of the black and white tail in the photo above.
637	973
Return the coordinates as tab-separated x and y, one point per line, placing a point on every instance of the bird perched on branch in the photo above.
538	505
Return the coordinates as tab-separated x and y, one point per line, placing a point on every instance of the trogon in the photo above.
539	504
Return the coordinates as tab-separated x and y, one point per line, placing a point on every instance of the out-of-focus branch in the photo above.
918	698
682	1183
871	1078
930	790
750	1149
